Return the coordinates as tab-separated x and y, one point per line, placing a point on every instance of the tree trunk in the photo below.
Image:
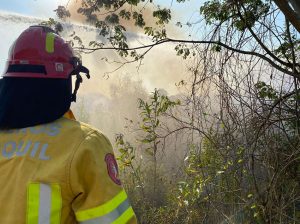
292	14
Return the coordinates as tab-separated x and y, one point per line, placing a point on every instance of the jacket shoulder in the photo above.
79	130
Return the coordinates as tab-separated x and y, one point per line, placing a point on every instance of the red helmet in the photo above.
40	53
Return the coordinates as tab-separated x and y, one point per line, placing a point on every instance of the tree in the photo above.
291	10
241	107
245	17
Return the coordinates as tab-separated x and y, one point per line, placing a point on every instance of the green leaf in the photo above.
216	48
163	16
125	14
139	20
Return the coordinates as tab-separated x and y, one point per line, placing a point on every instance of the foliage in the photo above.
57	26
266	91
244	14
62	12
150	114
145	177
238	119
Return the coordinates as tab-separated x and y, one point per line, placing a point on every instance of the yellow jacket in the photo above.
60	173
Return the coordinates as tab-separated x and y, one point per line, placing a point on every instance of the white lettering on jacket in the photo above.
36	150
51	130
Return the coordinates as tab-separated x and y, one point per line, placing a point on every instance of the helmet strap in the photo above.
79	79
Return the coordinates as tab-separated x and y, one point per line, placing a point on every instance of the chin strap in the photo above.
79	69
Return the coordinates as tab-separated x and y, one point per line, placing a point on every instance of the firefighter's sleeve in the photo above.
99	196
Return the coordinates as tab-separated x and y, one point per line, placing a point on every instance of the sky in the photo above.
44	8
38	8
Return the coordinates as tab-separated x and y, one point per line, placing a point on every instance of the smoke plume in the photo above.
106	99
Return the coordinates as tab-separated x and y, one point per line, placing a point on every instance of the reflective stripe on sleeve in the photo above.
125	217
33	198
56	204
43	203
115	211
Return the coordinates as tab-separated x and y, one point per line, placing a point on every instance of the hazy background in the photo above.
108	97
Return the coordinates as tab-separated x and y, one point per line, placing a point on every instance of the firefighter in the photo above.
54	169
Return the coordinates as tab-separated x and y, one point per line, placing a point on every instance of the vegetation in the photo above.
235	127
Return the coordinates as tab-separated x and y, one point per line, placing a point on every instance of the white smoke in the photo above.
105	102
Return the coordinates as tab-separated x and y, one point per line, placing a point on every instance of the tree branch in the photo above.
259	41
168	40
